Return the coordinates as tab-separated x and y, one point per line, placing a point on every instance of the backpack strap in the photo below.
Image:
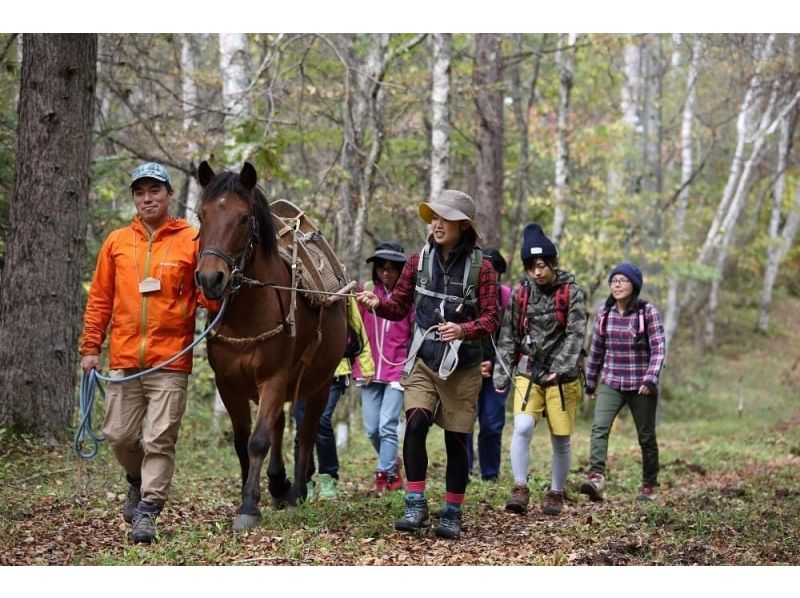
561	304
522	298
469	282
641	310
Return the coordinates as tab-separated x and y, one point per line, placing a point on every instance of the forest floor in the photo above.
729	436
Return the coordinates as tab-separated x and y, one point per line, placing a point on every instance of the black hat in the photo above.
536	244
498	262
389	251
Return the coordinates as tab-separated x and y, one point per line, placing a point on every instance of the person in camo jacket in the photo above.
546	353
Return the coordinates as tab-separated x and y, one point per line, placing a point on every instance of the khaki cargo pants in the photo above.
142	418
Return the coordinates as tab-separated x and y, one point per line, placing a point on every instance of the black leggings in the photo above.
415	452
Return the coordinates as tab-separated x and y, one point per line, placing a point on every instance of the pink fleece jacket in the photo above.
391	337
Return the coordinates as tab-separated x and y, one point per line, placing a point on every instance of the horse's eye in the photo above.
243	220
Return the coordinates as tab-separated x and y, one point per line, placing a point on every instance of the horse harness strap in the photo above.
239	342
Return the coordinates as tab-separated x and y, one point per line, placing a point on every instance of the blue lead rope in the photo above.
89	384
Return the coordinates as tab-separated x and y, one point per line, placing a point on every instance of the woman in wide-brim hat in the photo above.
444	379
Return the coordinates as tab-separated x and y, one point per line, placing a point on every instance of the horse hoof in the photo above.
243	523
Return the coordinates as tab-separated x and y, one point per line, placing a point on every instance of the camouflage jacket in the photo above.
551	347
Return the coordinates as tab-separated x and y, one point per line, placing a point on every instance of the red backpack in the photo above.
560	303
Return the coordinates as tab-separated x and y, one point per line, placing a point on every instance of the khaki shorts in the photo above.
547	402
454	402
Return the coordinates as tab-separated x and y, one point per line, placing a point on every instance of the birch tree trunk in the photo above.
728	224
737	163
489	136
678	239
620	163
780	240
189	99
442	44
40	295
565	62
235	71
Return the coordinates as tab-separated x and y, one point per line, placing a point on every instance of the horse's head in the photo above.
233	216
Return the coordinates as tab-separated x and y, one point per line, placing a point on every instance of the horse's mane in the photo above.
227	181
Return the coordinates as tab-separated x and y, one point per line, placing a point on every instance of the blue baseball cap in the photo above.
151	170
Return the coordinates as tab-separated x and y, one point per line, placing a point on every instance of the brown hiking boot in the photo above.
648	492
594	487
519	499
553	502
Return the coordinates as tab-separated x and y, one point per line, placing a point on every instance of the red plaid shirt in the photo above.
403	298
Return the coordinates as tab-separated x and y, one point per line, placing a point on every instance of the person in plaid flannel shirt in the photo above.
452	315
628	348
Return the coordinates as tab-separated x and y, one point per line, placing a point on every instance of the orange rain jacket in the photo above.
146	329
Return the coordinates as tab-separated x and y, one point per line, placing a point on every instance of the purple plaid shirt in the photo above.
626	364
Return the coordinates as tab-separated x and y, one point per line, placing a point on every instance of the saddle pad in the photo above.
318	269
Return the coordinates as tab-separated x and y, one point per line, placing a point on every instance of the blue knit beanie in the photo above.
630	271
536	244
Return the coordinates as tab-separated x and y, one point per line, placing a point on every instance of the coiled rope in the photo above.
89	384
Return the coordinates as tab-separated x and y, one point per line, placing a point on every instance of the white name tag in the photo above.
536	250
149	284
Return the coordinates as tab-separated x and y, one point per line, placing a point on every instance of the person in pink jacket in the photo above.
382	398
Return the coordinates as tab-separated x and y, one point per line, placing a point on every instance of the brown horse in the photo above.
254	357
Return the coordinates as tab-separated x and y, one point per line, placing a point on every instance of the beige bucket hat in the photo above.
450	205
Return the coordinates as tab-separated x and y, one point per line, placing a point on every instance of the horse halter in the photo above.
236	264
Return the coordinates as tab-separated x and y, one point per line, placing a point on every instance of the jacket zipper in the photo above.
143	343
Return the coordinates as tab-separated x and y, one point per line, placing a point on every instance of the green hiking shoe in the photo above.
328	487
310	490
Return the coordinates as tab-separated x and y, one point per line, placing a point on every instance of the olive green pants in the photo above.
608	404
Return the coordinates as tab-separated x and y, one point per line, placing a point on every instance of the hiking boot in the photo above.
144	522
328	487
648	492
519	499
381	478
449	523
415	517
310	485
395	479
553	502
132	500
594	487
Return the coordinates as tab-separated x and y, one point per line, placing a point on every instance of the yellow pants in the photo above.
546	401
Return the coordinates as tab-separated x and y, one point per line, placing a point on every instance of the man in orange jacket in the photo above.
144	288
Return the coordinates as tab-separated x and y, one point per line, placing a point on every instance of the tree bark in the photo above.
440	126
189	97
40	306
523	102
364	109
672	310
489	137
780	240
565	61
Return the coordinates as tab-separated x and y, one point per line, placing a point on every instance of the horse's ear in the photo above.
248	176
204	174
